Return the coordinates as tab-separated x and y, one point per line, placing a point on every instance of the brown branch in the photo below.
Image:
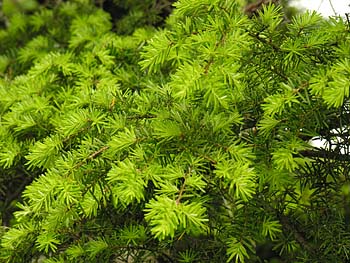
208	158
92	156
297	234
182	190
253	8
181	193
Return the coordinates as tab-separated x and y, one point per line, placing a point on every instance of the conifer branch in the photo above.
234	99
324	153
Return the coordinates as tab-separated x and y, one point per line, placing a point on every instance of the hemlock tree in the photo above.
182	144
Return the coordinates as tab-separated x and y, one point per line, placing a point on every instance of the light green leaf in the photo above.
47	242
122	140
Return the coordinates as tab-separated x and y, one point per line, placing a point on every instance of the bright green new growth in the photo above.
183	144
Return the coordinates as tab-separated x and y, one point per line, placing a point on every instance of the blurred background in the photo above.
325	7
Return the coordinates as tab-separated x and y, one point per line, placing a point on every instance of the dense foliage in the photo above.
124	142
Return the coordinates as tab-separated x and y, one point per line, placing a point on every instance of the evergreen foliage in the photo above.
183	144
